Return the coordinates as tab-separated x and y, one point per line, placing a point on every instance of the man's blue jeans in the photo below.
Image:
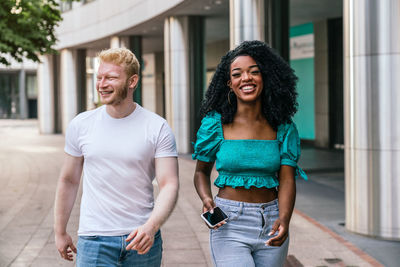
99	251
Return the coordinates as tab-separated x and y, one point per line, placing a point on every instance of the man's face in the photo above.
112	83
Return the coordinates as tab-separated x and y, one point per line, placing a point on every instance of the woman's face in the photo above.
245	79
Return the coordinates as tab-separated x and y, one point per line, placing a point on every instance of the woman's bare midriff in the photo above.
252	195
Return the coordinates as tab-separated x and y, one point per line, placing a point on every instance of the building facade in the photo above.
18	90
344	52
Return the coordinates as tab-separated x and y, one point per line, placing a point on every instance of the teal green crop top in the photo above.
247	162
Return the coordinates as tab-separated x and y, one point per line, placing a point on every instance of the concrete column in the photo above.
135	45
160	85
197	71
92	97
45	77
81	80
114	42
68	86
149	95
277	25
321	84
372	113
124	41
23	100
119	41
177	79
246	20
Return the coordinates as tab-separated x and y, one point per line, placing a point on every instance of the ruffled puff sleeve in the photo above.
209	138
289	142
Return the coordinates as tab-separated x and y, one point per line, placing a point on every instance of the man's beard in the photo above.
120	95
123	93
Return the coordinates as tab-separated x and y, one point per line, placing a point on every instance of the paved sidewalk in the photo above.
29	168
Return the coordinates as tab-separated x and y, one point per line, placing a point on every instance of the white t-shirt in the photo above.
119	167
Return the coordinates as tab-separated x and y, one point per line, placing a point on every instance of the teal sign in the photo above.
302	61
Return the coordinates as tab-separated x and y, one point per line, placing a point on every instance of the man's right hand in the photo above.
67	189
65	246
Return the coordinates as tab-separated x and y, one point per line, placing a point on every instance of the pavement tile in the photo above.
187	256
173	233
20	264
5	257
52	263
26	257
207	253
178	242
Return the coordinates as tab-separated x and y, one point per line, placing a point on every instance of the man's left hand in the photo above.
142	239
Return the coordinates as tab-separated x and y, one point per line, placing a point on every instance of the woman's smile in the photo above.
246	79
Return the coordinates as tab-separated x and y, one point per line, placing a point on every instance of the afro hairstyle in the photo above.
279	94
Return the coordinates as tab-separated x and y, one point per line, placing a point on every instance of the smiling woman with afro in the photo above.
248	133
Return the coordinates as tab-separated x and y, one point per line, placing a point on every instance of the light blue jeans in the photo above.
241	241
96	251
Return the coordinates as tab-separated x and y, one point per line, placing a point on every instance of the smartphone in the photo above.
212	219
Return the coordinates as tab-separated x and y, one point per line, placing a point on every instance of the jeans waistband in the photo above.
234	203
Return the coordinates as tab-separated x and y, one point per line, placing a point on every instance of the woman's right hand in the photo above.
209	205
202	183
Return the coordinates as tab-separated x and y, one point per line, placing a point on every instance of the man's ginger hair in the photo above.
123	57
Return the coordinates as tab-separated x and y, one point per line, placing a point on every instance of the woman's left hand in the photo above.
283	229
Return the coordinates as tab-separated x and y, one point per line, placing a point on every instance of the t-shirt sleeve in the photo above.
71	140
209	138
290	148
166	145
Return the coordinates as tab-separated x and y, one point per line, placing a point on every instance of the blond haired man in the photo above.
120	147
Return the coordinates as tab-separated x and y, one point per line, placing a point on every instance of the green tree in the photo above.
27	28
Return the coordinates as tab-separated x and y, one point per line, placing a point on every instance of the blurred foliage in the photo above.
27	28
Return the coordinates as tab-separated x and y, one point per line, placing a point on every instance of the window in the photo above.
65	5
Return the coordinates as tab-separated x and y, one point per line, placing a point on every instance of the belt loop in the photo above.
241	208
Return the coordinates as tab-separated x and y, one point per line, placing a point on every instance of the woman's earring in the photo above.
229	97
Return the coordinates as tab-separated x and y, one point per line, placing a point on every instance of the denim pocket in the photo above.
158	234
271	214
232	214
88	237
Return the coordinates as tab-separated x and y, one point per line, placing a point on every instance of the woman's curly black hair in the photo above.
279	93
